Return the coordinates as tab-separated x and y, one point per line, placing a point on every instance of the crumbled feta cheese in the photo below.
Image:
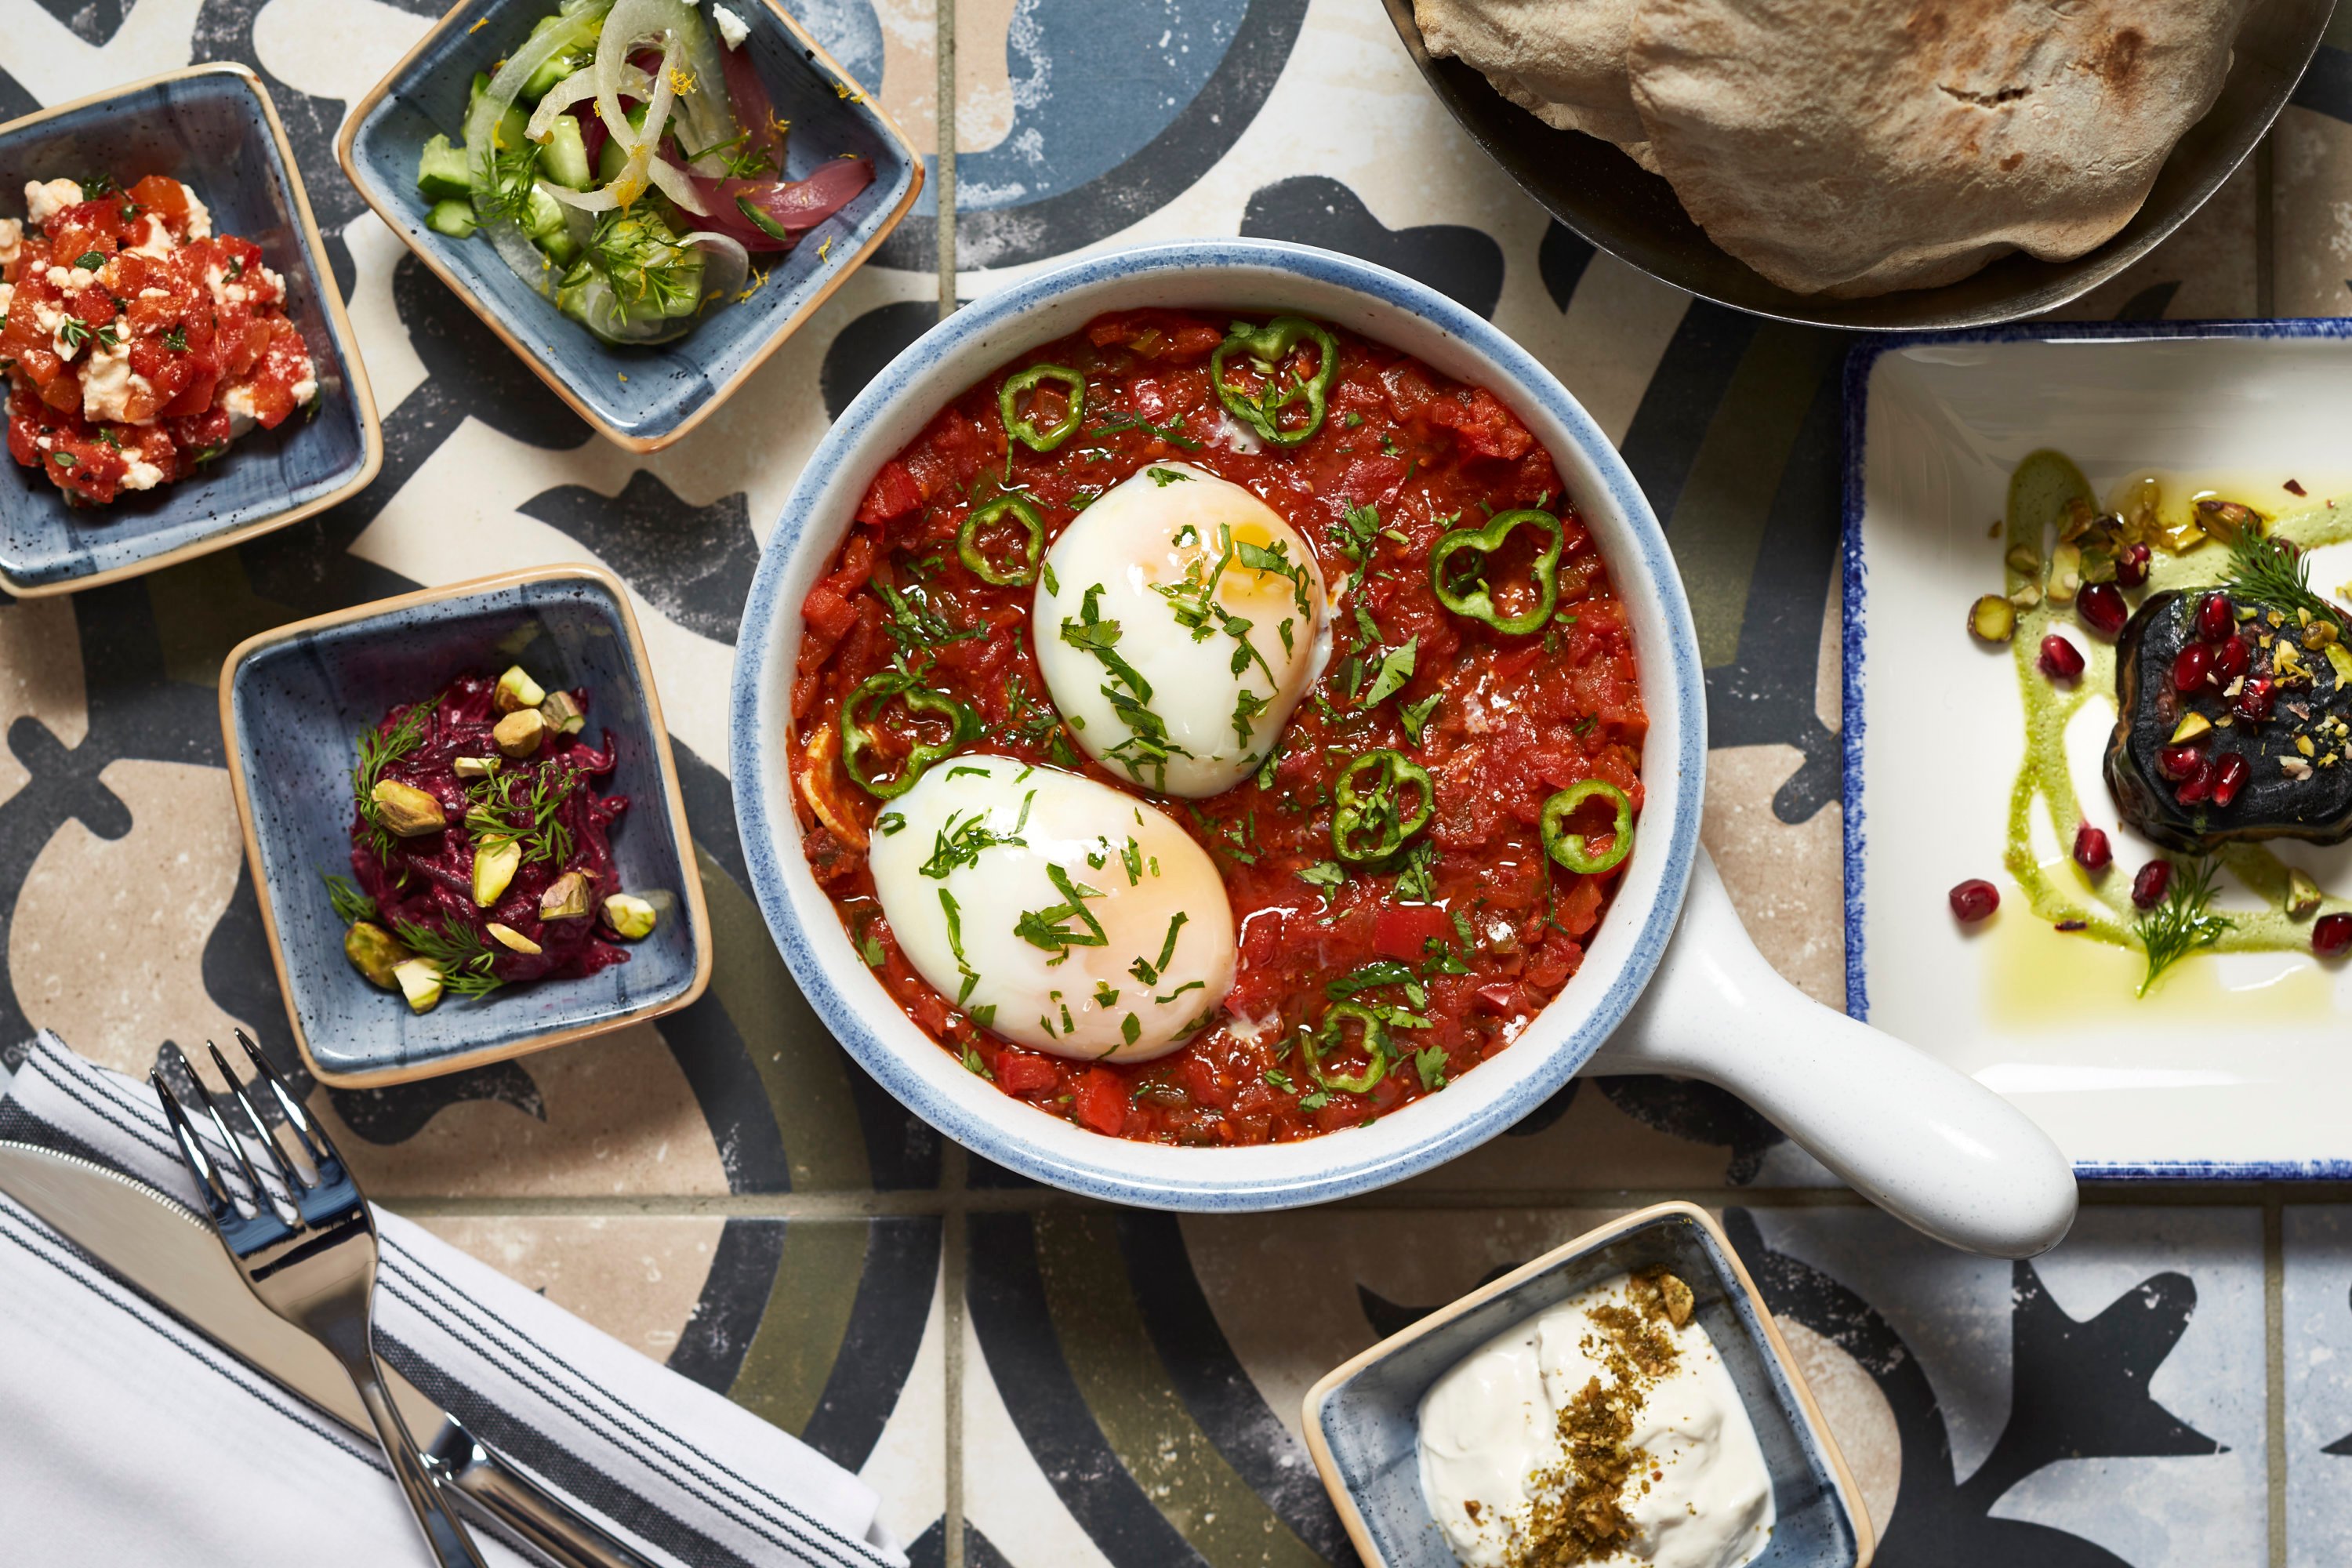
60	278
108	384
225	292
273	287
51	320
307	387
44	199
154	241
200	217
237	402
731	27
7	294
142	475
11	238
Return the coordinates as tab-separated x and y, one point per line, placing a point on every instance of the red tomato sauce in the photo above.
138	344
1480	935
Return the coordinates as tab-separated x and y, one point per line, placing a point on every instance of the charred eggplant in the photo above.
2233	722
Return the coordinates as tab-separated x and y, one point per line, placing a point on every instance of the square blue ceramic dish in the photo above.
214	128
293	699
642	397
1363	1418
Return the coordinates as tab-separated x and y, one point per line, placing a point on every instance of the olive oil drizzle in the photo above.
2041	490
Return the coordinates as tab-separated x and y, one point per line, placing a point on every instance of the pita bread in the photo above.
1562	61
1853	147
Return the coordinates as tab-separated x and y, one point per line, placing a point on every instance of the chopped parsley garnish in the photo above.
1172	432
914	625
1049	930
960	843
1326	874
955	945
1430	1063
1149	973
1416	715
1396	668
1163	477
1147	745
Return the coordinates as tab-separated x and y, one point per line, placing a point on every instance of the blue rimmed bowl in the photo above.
1935	1148
1362	1420
292	700
643	398
1241	276
214	128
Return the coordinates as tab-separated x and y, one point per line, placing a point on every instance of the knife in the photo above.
173	1257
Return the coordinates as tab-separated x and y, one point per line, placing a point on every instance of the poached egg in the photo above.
1056	912
1177	622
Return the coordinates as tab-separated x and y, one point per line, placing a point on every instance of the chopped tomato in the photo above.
1405	930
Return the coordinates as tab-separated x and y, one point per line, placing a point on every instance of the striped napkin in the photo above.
128	1438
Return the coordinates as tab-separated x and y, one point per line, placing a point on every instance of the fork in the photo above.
316	1270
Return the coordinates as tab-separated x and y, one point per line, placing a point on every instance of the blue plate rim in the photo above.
1206	1192
383	206
1854	598
691	889
339	328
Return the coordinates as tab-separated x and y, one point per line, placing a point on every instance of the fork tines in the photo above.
199	1153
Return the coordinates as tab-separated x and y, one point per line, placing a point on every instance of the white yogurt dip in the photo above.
1492	1455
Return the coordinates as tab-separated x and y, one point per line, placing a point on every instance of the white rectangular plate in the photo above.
2239	1066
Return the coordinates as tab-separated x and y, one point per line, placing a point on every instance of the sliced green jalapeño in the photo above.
1331	1036
1461	584
1018	510
1023	426
1572	849
1269	348
1371	821
866	707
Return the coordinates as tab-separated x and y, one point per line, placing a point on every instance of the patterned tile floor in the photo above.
1032	1381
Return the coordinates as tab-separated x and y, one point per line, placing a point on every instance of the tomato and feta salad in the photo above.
1218	732
138	343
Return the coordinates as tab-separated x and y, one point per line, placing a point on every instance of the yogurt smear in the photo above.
1496	1433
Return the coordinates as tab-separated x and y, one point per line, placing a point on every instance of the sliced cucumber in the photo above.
453	218
560	247
544	216
609	157
564	158
441	169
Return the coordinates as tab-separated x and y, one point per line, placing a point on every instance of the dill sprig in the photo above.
2182	925
1172	432
379	749
2272	572
351	906
498	801
460	953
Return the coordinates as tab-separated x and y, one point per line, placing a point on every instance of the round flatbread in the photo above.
1851	147
1562	61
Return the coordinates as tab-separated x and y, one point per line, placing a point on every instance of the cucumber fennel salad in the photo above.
625	162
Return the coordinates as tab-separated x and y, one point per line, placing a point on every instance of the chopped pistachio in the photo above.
2026	597
2302	894
2318	634
566	898
495	864
2294	767
2191	725
374	952
517	689
2225	520
563	715
475	767
629	916
508	937
1992	619
420	981
2303	744
2022	558
519	734
405	810
2066	574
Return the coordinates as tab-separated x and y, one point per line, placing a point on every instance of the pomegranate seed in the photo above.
2101	607
2061	661
2176	762
2198	787
2254	699
2214	620
2230	658
2331	934
1975	899
2229	771
2189	669
2091	850
2149	887
2131	566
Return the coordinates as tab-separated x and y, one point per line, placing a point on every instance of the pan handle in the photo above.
1925	1141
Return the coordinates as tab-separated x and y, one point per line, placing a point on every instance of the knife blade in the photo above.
174	1257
